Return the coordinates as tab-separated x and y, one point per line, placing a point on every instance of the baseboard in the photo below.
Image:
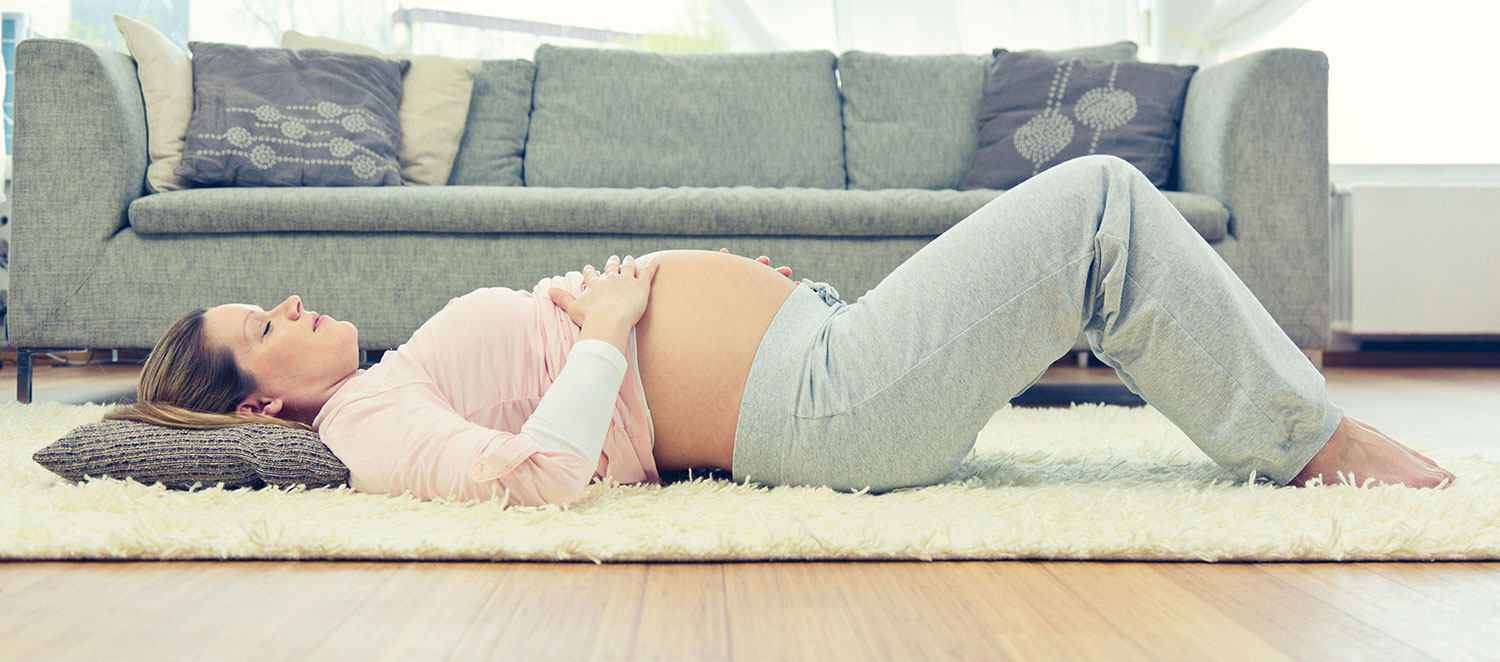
1414	359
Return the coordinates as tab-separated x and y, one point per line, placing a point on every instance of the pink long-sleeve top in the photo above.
443	414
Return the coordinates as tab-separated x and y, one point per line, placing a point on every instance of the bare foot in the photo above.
1365	452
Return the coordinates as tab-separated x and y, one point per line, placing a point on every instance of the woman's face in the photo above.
297	359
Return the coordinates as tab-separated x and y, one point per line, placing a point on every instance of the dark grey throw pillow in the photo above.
292	117
1038	111
242	456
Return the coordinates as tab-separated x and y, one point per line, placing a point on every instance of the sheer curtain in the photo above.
1197	31
931	27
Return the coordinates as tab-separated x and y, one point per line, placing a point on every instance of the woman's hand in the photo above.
767	261
621	290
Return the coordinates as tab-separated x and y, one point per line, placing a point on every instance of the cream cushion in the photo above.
166	75
434	106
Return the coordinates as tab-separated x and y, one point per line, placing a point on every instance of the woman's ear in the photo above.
262	405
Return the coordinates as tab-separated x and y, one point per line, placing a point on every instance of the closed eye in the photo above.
268	330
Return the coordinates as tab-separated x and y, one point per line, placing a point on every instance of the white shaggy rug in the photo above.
1089	482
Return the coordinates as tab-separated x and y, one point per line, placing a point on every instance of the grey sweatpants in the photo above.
891	391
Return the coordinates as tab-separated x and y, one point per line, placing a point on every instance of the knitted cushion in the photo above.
242	456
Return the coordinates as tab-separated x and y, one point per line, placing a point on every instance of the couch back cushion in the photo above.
495	133
627	118
912	121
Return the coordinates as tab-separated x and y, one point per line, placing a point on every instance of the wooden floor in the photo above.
780	611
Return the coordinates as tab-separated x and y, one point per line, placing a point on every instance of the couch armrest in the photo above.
80	143
79	160
1254	135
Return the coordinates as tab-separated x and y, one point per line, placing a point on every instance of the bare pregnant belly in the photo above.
694	345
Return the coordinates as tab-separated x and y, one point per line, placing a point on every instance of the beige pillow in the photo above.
166	75
434	106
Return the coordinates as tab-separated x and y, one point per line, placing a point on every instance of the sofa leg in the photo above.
23	374
1316	356
23	368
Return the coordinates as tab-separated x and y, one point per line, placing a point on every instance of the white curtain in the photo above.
4	158
1197	32
932	26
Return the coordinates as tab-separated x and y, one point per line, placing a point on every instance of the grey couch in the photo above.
816	178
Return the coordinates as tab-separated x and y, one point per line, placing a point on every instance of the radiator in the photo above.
1416	259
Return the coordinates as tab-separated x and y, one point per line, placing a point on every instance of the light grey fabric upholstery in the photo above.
79	159
623	118
738	210
386	283
1255	136
495	132
911	121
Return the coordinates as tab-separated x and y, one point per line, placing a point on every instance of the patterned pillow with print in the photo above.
284	117
1038	111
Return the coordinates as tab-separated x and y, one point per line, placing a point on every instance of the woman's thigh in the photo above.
893	389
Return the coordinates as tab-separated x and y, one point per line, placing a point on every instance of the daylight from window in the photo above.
1407	82
1395	94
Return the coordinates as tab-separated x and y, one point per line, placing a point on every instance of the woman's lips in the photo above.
318	322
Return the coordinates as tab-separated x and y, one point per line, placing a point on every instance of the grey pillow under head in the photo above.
242	456
622	118
292	117
911	121
1039	111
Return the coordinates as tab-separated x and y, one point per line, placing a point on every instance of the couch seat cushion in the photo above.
648	211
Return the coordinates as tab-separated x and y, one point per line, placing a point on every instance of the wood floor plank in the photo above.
539	610
683	613
421	611
17	579
1471	588
1044	618
1160	615
1298	624
797	610
919	610
96	598
1420	621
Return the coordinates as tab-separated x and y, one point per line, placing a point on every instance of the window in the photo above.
1407	82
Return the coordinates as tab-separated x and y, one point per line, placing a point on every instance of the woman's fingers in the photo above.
613	266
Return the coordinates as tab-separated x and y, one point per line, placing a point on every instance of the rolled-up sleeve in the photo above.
533	477
416	443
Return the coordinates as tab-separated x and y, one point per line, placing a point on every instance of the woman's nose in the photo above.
294	306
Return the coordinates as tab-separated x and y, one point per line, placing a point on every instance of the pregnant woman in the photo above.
745	371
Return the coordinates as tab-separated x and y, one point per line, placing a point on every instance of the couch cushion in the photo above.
434	105
285	117
644	211
252	456
911	121
1039	111
624	118
495	133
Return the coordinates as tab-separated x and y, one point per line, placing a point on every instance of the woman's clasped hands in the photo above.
620	291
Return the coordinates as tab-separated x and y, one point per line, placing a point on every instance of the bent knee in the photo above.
1108	162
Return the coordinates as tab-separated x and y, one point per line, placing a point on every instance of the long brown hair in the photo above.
188	382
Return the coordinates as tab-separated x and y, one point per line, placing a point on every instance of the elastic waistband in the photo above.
772	387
